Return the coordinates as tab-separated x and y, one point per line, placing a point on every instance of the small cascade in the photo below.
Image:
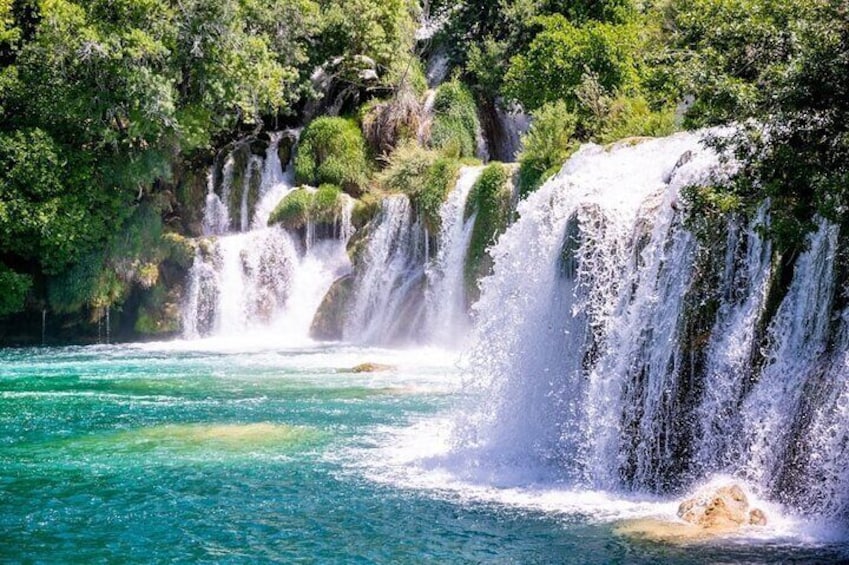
387	303
797	338
426	117
447	309
216	215
277	180
731	349
257	276
43	327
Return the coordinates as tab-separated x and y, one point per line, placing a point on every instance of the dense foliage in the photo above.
107	106
303	205
333	150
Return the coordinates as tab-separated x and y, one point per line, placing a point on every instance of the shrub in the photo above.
332	150
13	290
632	117
424	176
546	145
305	205
387	123
455	121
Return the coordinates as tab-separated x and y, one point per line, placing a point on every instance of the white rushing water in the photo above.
446	304
616	360
387	303
259	278
403	294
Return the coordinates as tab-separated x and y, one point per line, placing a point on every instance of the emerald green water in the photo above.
167	454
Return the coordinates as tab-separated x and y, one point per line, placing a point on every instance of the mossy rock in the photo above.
293	212
332	150
365	209
191	196
491	199
329	320
285	148
160	313
302	205
327	203
181	250
259	145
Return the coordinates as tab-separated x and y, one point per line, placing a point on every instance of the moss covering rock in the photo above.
303	205
490	198
332	150
159	314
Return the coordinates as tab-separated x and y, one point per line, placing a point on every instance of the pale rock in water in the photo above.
723	508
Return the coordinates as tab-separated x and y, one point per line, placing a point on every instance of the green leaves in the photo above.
13	290
561	54
548	143
332	150
455	122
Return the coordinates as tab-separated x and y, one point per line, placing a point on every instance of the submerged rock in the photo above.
724	508
371	368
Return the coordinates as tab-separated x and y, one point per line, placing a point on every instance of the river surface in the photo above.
243	452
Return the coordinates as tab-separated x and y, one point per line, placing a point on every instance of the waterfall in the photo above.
400	292
622	345
387	303
258	277
216	216
447	319
582	298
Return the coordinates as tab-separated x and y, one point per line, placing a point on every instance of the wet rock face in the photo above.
723	508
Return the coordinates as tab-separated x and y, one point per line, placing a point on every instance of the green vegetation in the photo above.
332	150
321	206
425	176
490	199
15	287
388	123
562	54
546	146
455	125
293	211
110	111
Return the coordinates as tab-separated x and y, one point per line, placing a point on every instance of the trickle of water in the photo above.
216	215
